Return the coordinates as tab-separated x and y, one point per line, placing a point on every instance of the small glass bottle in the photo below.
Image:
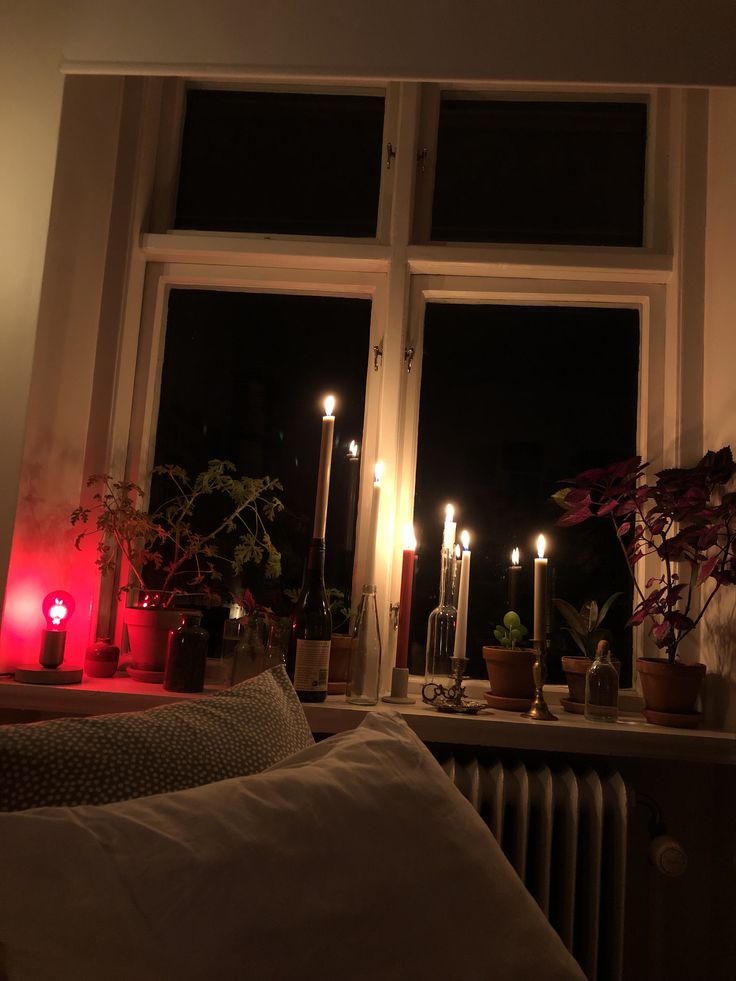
442	623
601	687
365	657
186	657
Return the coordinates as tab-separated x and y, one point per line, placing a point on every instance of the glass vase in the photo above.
442	623
365	658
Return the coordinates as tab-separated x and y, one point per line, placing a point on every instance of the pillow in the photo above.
116	757
353	860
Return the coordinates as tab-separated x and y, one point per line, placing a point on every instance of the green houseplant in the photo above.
685	518
176	548
510	666
585	628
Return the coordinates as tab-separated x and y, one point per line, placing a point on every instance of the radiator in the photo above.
565	833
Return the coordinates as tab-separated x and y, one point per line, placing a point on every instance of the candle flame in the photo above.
514	556
353	448
410	540
540	546
449	512
465	539
329	405
379	471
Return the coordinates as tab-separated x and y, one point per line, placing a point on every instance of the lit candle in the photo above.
462	602
370	573
448	536
540	593
353	464
514	574
405	597
325	462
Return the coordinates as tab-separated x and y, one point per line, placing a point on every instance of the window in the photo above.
416	332
514	400
567	173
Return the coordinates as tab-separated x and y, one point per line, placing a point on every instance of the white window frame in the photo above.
401	274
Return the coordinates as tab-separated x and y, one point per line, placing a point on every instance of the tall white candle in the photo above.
325	463
448	534
462	600
370	572
540	592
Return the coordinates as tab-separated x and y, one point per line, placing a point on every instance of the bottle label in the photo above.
312	665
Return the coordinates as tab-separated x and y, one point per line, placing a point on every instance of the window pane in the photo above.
281	162
244	377
513	401
569	173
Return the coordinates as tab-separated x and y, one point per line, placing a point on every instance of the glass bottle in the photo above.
186	656
365	656
601	687
442	623
308	659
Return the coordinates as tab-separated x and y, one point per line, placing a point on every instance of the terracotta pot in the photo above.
510	671
148	635
671	688
101	659
576	668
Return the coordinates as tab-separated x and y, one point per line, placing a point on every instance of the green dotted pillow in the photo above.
98	760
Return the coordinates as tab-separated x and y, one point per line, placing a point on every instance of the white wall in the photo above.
719	377
629	41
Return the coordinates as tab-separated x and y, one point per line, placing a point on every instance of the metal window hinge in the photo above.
408	358
377	355
390	154
422	159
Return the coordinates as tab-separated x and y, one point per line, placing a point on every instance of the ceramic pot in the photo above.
576	668
510	671
670	688
101	659
148	635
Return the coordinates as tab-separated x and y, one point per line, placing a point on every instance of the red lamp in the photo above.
58	607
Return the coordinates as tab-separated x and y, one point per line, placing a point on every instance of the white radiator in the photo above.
565	834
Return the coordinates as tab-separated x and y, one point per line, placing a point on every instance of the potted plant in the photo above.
584	626
687	520
510	666
174	550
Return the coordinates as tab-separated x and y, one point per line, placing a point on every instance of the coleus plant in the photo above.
686	517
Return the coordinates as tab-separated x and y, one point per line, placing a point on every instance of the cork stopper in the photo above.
602	649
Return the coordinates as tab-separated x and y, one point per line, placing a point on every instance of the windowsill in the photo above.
631	736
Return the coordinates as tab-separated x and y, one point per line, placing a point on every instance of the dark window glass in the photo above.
280	162
244	378
568	173
514	400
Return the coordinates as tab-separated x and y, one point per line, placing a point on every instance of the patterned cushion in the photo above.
118	757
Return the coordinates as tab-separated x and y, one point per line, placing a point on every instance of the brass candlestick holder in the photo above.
452	699
538	708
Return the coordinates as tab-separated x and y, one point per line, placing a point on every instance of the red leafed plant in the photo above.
687	517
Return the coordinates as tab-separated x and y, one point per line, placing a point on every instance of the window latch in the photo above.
377	355
390	154
422	159
408	358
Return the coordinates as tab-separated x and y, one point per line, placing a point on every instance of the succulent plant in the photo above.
511	631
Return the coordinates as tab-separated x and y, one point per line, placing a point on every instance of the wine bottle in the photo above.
311	628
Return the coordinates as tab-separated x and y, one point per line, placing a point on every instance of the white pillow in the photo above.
356	859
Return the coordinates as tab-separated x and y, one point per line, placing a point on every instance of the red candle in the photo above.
407	588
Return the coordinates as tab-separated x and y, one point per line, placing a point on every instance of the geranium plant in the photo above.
686	517
176	548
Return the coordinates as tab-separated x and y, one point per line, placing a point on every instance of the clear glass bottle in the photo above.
365	657
601	687
442	623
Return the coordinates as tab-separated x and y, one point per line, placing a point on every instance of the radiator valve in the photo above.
668	856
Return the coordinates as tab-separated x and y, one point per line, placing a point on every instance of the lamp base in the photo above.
32	674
